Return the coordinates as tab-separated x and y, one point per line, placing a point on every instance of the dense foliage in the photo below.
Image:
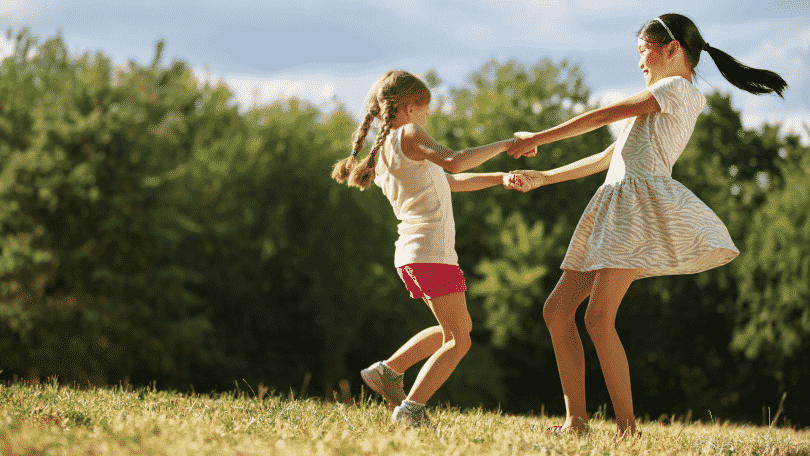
153	231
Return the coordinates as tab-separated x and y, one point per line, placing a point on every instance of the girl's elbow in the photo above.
452	166
455	186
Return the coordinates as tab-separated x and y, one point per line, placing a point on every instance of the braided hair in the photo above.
390	92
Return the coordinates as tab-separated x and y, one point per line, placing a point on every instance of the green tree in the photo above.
772	316
86	294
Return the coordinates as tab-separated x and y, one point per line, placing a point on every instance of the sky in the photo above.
331	51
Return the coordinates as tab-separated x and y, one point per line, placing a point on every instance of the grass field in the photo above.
51	419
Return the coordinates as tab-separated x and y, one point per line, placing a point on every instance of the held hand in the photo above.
534	178
522	147
516	181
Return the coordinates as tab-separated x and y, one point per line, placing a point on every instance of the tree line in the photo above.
153	232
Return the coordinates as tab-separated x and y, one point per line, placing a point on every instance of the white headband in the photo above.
667	28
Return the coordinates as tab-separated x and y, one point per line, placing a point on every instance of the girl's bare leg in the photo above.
451	312
558	312
416	349
609	288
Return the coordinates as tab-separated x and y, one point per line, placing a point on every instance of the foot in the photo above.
411	416
385	382
557	431
626	434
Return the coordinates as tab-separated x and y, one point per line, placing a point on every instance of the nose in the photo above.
641	63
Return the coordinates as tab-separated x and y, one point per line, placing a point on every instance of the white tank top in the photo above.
420	195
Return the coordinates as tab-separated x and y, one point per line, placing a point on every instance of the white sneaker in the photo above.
384	381
410	417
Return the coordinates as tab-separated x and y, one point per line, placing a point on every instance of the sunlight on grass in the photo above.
54	419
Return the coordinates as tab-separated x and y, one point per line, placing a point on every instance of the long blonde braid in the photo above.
391	91
343	168
364	173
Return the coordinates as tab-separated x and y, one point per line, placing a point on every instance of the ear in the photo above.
673	47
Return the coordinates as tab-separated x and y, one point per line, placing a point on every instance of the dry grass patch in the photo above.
52	419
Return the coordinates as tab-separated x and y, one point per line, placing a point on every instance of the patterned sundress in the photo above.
641	218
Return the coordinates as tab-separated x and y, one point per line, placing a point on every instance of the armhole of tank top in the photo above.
398	138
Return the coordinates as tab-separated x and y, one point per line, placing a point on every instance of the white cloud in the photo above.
12	11
20	13
799	126
323	90
251	91
6	47
786	50
8	6
794	123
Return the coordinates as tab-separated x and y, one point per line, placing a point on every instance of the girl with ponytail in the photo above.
641	222
409	166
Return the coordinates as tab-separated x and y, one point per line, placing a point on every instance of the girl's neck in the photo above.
682	69
687	76
398	122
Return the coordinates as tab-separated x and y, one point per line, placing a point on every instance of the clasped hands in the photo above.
523	146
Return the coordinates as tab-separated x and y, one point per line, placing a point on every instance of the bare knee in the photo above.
554	317
598	324
460	336
462	343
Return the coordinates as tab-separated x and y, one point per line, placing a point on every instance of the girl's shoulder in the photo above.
671	84
670	92
412	132
405	138
410	135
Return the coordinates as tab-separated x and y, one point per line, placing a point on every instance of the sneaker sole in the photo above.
371	382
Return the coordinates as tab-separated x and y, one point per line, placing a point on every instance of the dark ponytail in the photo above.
744	77
685	31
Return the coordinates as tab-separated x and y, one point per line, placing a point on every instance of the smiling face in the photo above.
653	62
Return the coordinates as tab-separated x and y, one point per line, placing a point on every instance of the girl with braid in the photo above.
641	222
409	166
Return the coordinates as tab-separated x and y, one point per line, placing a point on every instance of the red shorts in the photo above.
431	280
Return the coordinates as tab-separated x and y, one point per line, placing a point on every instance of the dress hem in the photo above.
720	257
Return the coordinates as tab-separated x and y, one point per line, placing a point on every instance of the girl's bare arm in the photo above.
581	168
637	105
470	182
418	145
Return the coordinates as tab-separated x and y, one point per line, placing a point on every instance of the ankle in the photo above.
393	371
576	422
412	406
625	432
625	425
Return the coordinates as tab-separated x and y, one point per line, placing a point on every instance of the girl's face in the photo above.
653	62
